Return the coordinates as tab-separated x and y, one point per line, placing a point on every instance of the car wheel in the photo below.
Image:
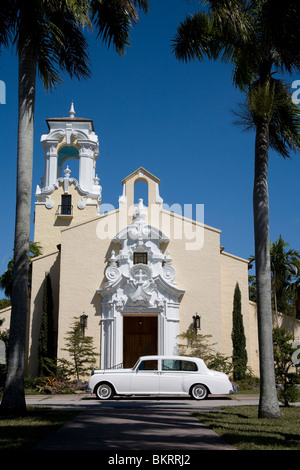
104	391
199	392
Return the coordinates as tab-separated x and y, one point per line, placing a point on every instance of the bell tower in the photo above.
63	200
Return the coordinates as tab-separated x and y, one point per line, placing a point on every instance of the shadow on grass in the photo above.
24	432
241	427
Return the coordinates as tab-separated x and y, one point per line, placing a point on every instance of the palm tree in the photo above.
6	279
260	39
285	266
113	20
49	37
45	34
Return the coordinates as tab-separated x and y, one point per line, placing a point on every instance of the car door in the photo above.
145	379
171	377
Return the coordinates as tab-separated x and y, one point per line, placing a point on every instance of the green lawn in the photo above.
240	426
23	433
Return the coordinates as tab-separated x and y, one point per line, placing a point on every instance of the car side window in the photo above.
148	365
189	366
174	364
170	364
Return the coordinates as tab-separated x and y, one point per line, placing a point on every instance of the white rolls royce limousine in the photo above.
161	375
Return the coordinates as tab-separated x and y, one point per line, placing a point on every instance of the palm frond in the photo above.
52	34
281	20
69	46
243	117
7	17
114	19
274	105
196	39
232	18
222	32
142	5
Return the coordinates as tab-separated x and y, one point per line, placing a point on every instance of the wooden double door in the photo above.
139	338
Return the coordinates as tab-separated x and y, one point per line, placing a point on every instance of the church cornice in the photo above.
69	119
141	172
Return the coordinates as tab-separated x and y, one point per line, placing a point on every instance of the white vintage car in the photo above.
161	375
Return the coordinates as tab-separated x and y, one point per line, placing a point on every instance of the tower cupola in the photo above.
63	199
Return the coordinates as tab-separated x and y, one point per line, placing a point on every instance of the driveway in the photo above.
135	424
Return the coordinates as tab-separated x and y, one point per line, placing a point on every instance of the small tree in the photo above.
283	352
196	345
239	354
46	336
81	351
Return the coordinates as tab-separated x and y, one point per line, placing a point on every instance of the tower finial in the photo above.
72	111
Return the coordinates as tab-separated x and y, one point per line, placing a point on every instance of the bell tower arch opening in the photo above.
68	155
141	185
141	191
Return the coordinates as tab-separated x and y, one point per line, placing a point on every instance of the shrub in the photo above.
51	385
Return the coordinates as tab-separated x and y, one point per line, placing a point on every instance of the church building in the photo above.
138	275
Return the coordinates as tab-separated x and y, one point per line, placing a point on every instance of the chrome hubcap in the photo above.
104	392
199	392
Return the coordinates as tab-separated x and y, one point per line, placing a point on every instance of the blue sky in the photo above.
173	119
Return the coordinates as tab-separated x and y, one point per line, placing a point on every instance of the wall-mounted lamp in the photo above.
83	323
197	322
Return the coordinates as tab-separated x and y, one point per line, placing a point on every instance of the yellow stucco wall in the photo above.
48	224
41	266
83	261
235	270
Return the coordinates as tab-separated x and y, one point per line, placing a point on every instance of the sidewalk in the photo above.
130	425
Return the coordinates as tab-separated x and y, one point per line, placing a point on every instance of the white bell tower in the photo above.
63	200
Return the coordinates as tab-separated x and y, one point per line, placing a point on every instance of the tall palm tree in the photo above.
49	37
46	34
260	39
285	268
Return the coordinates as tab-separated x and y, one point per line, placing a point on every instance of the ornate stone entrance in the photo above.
140	284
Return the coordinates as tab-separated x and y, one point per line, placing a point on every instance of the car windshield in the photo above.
136	364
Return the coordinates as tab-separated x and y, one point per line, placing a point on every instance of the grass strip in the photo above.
25	432
241	427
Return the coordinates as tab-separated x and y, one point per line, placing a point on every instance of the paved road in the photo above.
85	400
135	424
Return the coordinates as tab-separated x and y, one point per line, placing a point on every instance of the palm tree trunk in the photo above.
13	402
268	404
